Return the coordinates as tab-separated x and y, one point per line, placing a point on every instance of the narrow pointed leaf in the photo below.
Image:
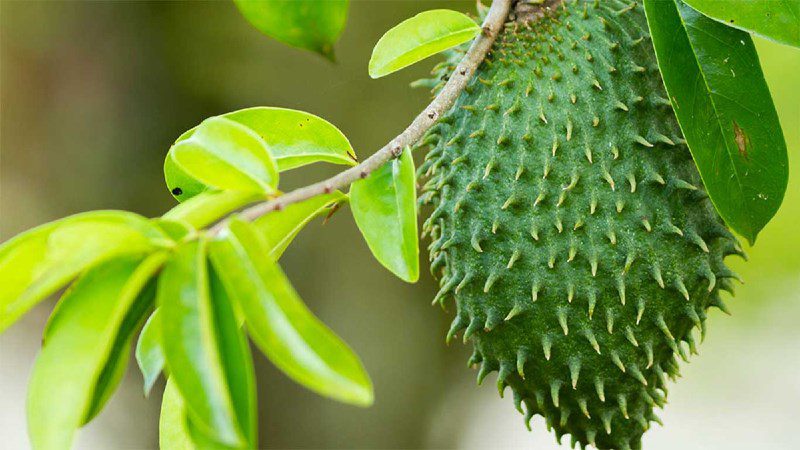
35	264
279	228
77	368
204	349
778	20
149	354
210	206
308	24
281	325
419	37
724	108
227	155
385	209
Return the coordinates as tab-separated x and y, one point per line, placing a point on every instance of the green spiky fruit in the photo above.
570	223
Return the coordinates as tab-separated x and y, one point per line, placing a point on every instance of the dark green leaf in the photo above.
149	354
228	156
40	261
204	348
279	228
281	325
385	208
778	20
309	24
419	37
725	111
78	367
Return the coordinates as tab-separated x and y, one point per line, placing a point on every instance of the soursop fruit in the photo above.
570	224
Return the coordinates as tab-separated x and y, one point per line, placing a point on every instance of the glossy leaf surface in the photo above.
778	20
308	24
419	37
40	261
295	138
725	110
279	322
204	348
279	228
385	209
85	335
227	155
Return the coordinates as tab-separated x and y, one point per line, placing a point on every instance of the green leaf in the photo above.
279	228
149	354
294	138
181	185
227	155
385	208
725	111
308	24
205	351
35	264
778	20
419	37
173	433
281	325
84	344
210	206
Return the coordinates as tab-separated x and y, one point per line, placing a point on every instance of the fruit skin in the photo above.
570	224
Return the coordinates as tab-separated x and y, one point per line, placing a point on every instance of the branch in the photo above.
496	17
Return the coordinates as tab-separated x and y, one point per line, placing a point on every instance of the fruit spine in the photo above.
570	223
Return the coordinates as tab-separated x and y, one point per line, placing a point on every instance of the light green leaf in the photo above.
149	354
385	208
176	430
35	264
228	156
210	206
177	230
205	351
173	433
294	138
281	325
725	110
419	37
86	338
308	24
279	228
181	185
778	20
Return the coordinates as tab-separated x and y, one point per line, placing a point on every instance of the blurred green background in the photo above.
93	93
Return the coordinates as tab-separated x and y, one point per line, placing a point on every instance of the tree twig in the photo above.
495	18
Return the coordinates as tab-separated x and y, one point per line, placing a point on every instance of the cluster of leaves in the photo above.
199	295
196	294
